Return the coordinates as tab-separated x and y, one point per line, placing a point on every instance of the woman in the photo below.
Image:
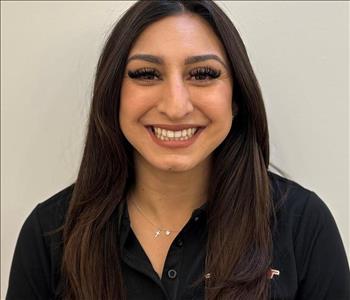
173	199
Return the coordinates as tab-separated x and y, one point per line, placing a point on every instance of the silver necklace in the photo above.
158	230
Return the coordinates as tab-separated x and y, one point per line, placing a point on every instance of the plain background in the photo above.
49	51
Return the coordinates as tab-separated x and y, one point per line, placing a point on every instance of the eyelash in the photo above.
149	72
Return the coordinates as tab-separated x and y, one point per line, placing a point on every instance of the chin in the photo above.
174	165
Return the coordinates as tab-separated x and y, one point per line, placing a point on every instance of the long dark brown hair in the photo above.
239	245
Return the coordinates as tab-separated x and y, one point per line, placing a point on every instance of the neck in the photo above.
169	198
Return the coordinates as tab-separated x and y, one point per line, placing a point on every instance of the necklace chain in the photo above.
158	230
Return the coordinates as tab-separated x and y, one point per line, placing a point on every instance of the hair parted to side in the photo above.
239	246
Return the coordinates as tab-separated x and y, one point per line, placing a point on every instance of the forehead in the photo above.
178	36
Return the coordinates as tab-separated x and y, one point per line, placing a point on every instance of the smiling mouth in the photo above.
171	135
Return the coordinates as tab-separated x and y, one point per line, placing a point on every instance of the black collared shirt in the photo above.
184	263
309	255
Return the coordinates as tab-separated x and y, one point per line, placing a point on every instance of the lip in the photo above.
175	144
176	127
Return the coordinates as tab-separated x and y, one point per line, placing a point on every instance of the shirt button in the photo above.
196	219
172	274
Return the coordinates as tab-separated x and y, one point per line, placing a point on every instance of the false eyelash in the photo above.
143	72
149	72
206	71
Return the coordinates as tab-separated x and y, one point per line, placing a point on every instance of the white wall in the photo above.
49	51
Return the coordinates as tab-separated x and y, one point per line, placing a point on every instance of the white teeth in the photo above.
177	134
170	135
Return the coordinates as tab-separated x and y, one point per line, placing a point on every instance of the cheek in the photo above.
225	96
128	108
133	102
217	103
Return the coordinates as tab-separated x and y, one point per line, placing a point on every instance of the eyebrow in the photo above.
189	60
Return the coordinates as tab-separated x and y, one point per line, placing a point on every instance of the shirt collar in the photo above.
124	227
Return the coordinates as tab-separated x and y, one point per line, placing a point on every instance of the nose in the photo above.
175	101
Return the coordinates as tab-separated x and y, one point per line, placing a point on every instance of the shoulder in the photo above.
300	214
52	211
304	225
43	226
289	195
305	237
38	249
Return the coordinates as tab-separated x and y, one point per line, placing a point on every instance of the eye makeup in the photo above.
200	74
205	72
144	73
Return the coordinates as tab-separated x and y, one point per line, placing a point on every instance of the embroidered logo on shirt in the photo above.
273	272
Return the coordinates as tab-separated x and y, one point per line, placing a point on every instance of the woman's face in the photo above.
177	75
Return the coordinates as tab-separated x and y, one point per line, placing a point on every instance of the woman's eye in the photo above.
205	73
145	74
200	74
